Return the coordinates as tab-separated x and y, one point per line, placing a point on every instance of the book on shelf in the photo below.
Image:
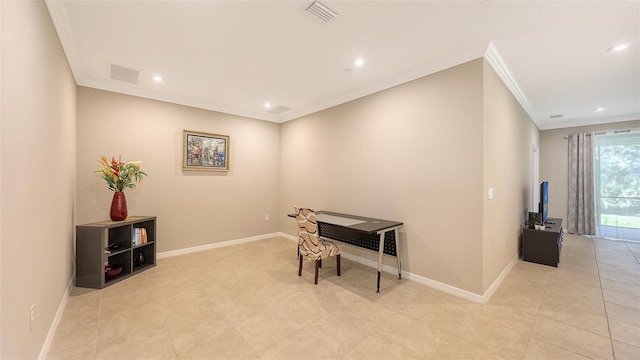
143	235
139	236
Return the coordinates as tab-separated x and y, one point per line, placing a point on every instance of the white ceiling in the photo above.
233	56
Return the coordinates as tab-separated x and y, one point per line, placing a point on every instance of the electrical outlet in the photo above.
33	316
266	218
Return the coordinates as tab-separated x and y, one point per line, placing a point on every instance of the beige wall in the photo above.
193	208
412	153
509	137
554	161
38	176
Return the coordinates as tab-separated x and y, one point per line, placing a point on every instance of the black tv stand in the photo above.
543	246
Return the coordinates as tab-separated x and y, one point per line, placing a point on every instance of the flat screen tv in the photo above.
544	201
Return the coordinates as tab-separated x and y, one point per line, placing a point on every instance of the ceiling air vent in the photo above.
555	116
322	11
278	110
124	74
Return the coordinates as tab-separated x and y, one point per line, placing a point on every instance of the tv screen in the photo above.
544	200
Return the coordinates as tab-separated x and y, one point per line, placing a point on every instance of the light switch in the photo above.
490	194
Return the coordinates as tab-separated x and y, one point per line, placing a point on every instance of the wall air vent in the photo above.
322	11
278	110
124	74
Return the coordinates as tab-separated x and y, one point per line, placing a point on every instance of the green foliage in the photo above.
620	221
620	179
120	176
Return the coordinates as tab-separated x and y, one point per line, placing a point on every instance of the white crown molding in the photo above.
58	15
129	89
427	69
63	28
497	63
588	122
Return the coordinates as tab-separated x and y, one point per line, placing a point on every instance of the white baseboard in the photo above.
288	236
451	290
498	281
190	250
56	320
445	288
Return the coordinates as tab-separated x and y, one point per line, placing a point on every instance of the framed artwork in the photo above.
204	152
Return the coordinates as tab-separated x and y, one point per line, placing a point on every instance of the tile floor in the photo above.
247	302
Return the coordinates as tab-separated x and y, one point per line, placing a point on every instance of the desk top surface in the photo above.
361	223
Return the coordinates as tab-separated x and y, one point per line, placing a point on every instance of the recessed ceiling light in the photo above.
359	62
619	47
158	78
267	104
600	109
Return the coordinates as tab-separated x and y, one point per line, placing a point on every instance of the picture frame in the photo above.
204	151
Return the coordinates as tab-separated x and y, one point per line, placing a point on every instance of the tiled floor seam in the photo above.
570	350
532	346
613	350
95	349
626	243
544	292
446	341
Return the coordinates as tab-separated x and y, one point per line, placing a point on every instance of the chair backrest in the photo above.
307	232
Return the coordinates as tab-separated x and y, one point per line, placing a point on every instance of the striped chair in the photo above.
310	245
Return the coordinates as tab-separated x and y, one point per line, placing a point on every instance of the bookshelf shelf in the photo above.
106	244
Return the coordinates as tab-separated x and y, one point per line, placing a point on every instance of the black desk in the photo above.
373	234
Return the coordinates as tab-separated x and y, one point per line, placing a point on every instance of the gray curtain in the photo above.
581	208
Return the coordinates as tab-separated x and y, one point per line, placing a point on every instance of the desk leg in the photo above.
398	254
380	252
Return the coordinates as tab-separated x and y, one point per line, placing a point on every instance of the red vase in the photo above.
118	207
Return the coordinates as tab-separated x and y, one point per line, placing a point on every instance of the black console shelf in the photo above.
543	246
104	244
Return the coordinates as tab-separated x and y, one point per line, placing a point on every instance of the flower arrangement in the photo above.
119	175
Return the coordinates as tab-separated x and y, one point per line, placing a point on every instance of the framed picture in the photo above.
204	151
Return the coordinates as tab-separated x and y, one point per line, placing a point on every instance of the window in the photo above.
617	184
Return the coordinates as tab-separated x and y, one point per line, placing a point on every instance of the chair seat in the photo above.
325	249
